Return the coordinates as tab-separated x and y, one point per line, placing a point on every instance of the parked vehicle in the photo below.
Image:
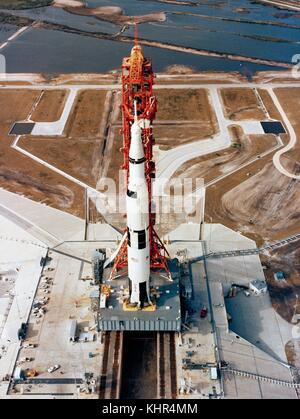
54	368
203	313
29	346
22	331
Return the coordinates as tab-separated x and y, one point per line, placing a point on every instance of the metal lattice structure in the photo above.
137	87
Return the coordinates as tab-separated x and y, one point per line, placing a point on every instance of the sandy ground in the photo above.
169	135
28	178
284	294
213	165
67	3
177	104
86	118
117	161
74	157
79	151
165	78
113	14
267	213
269	104
241	104
175	124
290	100
50	106
16	104
257	199
269	199
17	174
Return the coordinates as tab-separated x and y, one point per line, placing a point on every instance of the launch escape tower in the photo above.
138	97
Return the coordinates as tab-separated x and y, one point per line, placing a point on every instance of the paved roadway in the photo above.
57	127
292	142
172	160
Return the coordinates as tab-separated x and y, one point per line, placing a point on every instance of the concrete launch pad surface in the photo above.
235	159
20	264
254	340
166	317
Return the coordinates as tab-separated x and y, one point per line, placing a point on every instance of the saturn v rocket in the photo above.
141	250
137	203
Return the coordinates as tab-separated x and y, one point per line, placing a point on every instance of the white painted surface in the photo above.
170	161
26	258
292	142
252	318
56	128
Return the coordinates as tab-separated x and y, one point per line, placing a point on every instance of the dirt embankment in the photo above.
112	14
290	101
23	4
213	165
267	203
283	294
282	4
119	37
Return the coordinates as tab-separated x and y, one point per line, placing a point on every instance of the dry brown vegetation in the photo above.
15	105
86	118
50	106
24	176
79	153
71	156
117	160
269	104
170	136
290	101
284	294
183	105
184	116
214	165
241	104
264	206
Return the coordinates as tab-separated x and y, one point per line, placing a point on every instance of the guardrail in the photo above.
248	252
263	378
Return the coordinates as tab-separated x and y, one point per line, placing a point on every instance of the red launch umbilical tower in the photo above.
137	87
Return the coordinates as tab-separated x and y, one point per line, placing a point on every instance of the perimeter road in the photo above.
170	161
292	142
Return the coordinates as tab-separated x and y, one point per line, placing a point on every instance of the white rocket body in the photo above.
137	202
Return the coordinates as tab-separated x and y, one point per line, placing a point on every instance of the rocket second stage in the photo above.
137	202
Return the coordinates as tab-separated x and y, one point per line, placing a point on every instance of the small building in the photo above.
214	373
258	286
279	276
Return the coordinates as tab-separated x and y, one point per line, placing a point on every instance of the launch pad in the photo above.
163	315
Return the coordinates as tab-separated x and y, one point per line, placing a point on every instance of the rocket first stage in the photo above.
141	251
137	292
137	203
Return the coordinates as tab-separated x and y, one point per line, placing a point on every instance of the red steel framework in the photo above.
137	85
